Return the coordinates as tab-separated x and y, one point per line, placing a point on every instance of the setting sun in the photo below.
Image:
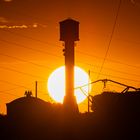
56	84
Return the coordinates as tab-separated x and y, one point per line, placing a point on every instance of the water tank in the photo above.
69	30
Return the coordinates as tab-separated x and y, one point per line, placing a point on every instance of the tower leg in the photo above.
70	105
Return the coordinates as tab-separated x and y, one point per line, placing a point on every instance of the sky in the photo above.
30	49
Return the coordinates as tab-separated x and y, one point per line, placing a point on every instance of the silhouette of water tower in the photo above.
69	33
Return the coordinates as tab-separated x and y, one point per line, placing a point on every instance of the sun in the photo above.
56	84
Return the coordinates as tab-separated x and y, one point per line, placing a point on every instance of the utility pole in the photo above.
88	91
36	89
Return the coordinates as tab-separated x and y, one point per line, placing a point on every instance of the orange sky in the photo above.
38	43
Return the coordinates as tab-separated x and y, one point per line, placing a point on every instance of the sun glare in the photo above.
56	84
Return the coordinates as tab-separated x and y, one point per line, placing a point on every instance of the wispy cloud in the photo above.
13	26
7	0
5	23
21	26
3	20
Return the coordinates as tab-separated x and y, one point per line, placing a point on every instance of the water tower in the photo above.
69	33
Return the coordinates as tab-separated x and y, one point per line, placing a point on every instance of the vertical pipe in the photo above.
88	91
36	89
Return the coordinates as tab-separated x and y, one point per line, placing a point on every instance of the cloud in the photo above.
13	26
5	23
7	0
22	26
3	20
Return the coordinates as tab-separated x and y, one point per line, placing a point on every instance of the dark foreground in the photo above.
115	116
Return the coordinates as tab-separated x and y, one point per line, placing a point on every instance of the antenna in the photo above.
36	89
88	91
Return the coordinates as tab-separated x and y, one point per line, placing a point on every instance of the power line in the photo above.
116	77
110	60
36	50
19	59
18	86
44	42
19	45
41	51
11	89
108	80
23	73
91	71
113	30
31	38
4	81
48	42
123	72
97	57
3	92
